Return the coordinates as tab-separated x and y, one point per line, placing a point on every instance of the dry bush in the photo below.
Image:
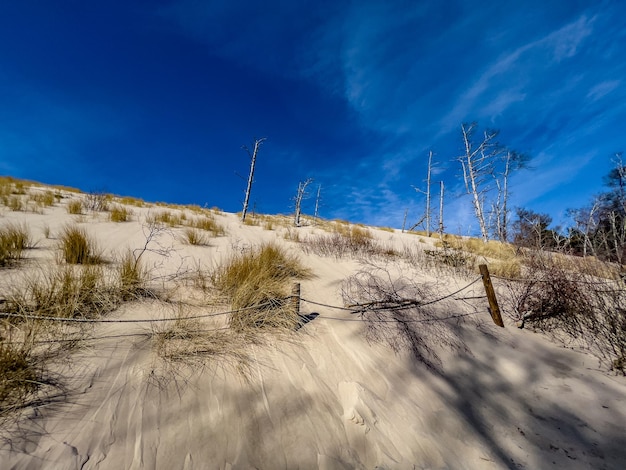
75	206
77	247
571	306
14	239
97	201
451	256
119	214
397	311
256	282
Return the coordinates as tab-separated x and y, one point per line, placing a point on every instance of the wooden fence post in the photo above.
491	296
295	298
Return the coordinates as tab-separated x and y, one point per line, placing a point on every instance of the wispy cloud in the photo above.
602	89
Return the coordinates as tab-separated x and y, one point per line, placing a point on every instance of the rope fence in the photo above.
296	298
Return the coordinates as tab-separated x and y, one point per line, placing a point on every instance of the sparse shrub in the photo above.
97	201
401	313
46	231
119	214
450	256
256	282
77	247
75	206
571	306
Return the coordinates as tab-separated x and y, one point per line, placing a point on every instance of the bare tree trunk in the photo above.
317	202
427	193
406	212
299	196
477	164
253	155
430	159
441	210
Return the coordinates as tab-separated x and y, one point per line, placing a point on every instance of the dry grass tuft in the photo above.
208	224
68	292
14	239
119	214
45	199
15	203
132	201
165	218
191	342
257	282
132	277
346	240
194	236
19	376
77	247
75	206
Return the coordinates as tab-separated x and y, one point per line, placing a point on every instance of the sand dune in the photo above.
320	397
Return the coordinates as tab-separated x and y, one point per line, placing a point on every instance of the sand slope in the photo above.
322	397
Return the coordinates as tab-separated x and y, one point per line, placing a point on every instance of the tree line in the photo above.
598	229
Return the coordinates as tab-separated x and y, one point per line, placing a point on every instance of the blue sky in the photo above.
155	99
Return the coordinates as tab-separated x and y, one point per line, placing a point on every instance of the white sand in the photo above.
322	397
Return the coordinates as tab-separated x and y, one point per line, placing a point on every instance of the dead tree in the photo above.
511	161
317	203
253	155
477	162
427	193
441	188
298	199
